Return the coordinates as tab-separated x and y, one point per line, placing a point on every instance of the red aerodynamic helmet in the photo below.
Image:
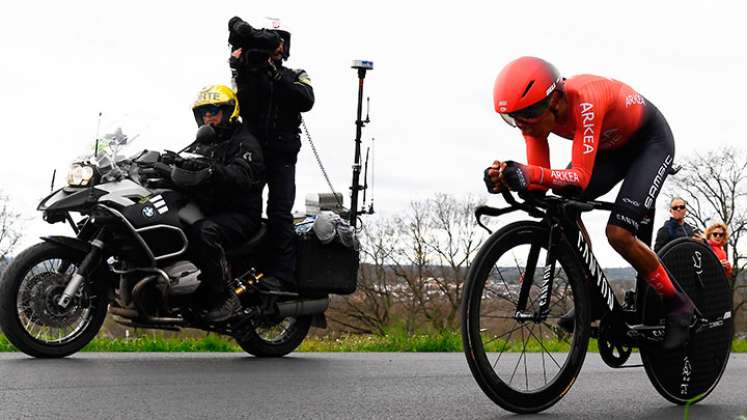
523	89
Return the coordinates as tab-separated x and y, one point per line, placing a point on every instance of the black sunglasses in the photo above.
211	109
532	111
717	234
678	207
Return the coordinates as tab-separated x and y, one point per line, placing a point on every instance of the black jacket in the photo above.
238	173
671	231
271	106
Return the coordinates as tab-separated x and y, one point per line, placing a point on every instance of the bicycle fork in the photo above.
543	307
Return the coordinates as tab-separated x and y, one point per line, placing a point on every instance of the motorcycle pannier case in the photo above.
325	268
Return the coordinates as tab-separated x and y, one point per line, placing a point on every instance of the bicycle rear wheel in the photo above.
524	366
692	372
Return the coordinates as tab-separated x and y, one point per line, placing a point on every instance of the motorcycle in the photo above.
129	258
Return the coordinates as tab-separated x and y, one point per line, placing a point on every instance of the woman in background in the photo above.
717	235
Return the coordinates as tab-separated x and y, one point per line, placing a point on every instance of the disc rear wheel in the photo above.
690	373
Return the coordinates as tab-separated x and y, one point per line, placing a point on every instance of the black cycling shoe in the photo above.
679	317
230	308
568	321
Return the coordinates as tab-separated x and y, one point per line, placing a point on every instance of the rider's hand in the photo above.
272	70
515	176
234	61
194	164
492	178
170	158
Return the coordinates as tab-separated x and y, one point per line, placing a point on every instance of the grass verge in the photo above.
446	341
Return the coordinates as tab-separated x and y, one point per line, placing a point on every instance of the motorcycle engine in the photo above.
183	277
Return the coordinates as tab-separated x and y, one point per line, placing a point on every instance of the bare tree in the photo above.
416	264
10	232
369	310
715	188
453	240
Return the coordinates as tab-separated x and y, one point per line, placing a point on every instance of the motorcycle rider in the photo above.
618	135
272	98
227	185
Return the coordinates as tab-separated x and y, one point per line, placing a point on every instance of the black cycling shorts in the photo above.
642	164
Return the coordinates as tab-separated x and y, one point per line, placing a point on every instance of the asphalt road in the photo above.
319	385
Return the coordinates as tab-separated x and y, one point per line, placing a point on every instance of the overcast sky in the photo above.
141	64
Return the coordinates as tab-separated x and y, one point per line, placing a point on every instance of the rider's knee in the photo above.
619	238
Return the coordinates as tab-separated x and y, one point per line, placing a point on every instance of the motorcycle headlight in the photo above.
80	176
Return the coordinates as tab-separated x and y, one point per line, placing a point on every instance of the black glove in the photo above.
194	164
516	176
170	158
273	72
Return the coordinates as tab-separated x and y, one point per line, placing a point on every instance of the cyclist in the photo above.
618	135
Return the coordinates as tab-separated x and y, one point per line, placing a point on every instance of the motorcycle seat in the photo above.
249	246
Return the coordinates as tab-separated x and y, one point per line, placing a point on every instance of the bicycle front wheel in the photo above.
524	366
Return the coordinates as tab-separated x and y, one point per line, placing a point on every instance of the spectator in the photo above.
675	227
717	236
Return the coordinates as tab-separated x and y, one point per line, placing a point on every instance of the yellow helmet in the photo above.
217	96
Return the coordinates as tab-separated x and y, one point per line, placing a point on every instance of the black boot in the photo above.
271	284
226	310
680	311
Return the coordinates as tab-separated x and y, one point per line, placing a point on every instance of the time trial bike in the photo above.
528	274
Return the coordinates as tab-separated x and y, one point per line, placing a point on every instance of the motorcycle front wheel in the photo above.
29	314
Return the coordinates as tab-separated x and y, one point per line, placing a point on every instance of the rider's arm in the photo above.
589	114
246	171
538	151
294	90
538	159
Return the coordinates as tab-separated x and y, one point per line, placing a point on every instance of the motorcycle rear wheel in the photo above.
275	339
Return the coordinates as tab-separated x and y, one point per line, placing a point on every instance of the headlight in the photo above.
80	176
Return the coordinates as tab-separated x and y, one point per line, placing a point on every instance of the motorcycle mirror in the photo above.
206	134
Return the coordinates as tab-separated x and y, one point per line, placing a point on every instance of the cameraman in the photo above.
227	185
272	98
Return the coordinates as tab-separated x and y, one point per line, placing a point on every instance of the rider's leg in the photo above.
652	152
281	181
208	238
642	258
678	306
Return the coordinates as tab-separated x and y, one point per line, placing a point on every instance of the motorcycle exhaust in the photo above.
296	308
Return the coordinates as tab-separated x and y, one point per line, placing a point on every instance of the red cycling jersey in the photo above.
603	114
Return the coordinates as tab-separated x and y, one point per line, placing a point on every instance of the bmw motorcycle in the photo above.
129	258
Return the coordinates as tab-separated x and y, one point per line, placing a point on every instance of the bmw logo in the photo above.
149	211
